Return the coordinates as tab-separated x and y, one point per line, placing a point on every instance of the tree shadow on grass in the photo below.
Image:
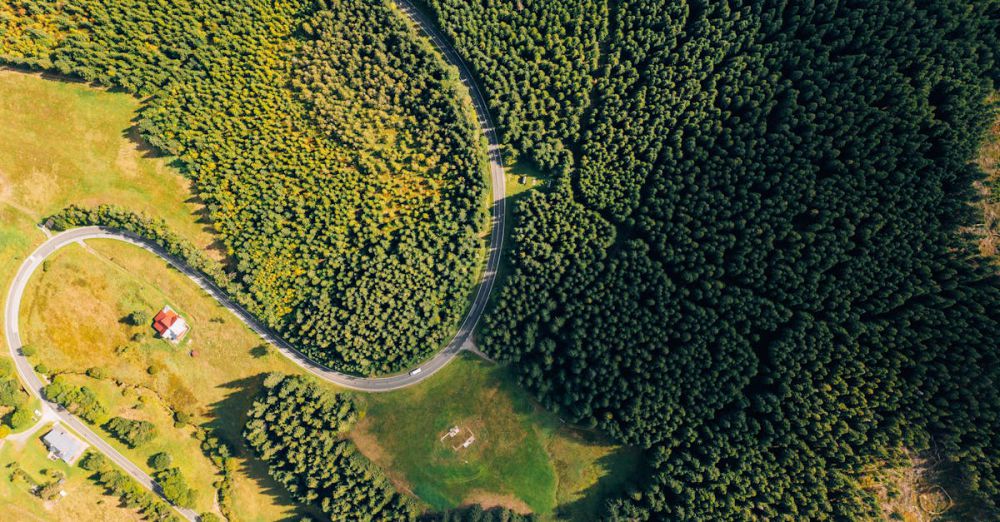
48	74
620	470
228	418
202	213
146	149
623	470
217	245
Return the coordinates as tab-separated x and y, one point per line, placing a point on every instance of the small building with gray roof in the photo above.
63	445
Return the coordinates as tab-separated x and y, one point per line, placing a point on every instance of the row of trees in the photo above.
299	430
78	400
340	167
174	487
133	433
753	272
477	513
13	399
131	494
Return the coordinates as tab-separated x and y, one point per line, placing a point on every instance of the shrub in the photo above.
174	487
50	490
11	393
273	379
97	372
133	433
80	401
28	350
135	318
20	418
160	461
133	496
181	418
94	461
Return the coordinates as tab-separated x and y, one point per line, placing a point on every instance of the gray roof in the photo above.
64	443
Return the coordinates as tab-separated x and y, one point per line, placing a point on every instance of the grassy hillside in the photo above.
65	142
69	143
110	279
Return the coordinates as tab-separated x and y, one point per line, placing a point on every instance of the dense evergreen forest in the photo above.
298	429
752	268
341	168
536	60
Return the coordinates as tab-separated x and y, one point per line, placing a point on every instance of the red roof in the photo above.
164	320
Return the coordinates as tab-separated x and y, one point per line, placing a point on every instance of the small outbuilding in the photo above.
169	325
63	445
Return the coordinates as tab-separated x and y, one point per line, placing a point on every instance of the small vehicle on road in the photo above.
416	371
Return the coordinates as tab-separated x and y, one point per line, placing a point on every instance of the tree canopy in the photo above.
298	429
752	269
535	60
340	165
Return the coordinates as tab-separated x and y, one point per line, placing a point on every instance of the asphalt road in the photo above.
428	368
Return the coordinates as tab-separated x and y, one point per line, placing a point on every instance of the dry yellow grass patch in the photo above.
988	231
69	143
906	490
490	500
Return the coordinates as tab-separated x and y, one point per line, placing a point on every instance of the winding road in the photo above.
460	341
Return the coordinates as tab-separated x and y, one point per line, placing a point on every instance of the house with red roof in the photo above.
169	325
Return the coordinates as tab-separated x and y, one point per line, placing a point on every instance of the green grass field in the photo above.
522	458
533	179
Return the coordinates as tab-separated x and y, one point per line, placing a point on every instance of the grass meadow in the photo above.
523	457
